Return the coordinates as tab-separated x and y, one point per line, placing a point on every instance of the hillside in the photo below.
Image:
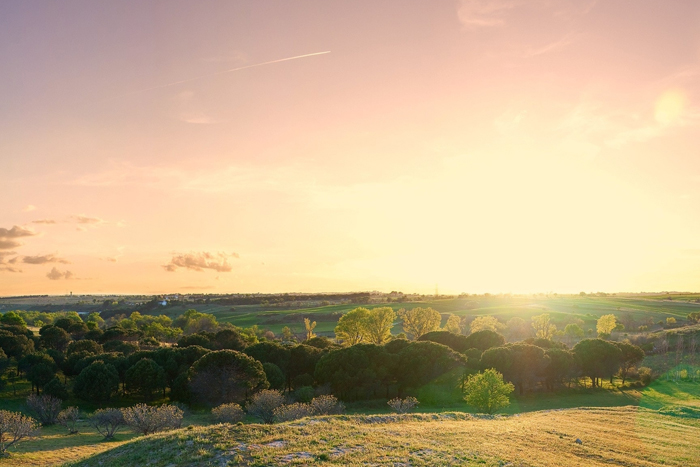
621	436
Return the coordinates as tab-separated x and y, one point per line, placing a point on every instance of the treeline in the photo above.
209	363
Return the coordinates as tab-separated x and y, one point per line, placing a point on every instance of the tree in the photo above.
95	317
145	378
97	382
53	337
84	346
517	329
605	325
573	331
378	324
14	427
226	376
39	367
229	339
457	342
145	420
56	389
597	359
484	340
418	321
274	375
421	362
13	319
309	328
560	366
482	323
487	391
543	328
453	324
631	355
15	346
350	329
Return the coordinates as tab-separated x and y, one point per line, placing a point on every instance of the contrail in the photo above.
221	73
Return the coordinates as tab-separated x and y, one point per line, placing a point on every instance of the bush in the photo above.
46	408
304	394
107	421
645	375
263	404
274	375
326	405
14	427
487	391
289	412
403	405
146	420
68	419
228	413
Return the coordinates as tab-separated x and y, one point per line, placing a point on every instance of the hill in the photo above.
627	436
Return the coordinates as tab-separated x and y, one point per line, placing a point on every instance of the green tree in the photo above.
84	346
309	327
98	382
350	329
573	331
631	355
605	325
597	359
418	321
13	319
226	376
487	391
543	328
482	323
484	339
453	324
53	337
378	324
145	378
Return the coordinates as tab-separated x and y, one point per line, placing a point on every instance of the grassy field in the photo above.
623	436
54	446
563	310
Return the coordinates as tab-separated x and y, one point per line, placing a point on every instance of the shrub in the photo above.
487	391
15	427
107	421
46	408
289	412
403	405
68	419
263	404
645	375
304	394
326	405
145	420
228	413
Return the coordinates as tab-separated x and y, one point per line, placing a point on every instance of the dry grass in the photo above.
625	436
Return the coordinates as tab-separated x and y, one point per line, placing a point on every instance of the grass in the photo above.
622	436
54	446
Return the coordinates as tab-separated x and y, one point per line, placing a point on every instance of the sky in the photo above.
502	146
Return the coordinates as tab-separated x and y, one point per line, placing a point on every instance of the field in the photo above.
535	413
562	308
622	436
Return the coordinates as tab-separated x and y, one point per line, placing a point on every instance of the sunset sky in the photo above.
480	145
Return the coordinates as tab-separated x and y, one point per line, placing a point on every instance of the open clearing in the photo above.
626	436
